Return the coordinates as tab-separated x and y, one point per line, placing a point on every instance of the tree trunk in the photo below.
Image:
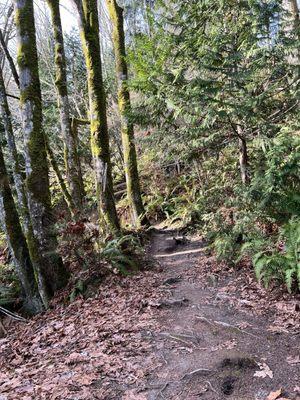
244	160
66	194
89	31
37	180
14	159
127	129
17	244
36	260
74	177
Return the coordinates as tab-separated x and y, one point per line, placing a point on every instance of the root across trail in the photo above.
187	328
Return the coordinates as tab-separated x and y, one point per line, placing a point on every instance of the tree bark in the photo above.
17	244
37	181
89	31
72	162
127	129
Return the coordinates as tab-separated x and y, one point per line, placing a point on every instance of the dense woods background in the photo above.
146	111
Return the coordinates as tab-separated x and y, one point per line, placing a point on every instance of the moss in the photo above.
17	243
51	271
72	162
127	129
99	131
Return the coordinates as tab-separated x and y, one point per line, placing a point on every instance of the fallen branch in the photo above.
12	315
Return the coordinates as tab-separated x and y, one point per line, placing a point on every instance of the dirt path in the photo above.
189	329
208	348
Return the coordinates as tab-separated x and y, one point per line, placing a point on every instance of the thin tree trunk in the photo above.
17	244
243	159
127	129
14	159
67	196
37	180
89	31
9	59
75	122
74	177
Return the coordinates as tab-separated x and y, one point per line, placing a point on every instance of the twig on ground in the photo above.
177	338
225	324
196	371
211	387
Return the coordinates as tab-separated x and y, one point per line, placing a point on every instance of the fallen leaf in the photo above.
264	371
277	329
274	395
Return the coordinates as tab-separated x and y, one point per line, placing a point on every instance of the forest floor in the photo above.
186	328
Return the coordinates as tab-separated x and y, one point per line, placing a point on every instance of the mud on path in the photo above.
206	346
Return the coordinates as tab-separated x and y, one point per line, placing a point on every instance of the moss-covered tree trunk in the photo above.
37	181
72	161
17	244
36	260
14	159
89	31
127	129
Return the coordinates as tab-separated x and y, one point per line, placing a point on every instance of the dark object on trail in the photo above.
172	281
180	241
228	385
238	363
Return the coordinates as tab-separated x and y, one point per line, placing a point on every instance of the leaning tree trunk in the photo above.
127	130
74	176
17	244
89	31
36	260
37	180
14	158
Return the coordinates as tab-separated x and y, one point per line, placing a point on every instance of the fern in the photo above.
119	253
283	265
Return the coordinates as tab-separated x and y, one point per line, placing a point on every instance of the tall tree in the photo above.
89	31
127	129
74	176
37	181
17	243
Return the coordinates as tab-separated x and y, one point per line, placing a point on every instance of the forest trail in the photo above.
208	346
185	328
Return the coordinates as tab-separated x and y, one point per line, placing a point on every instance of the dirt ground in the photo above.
211	342
187	328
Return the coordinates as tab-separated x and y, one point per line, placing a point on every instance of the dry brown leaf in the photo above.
274	395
